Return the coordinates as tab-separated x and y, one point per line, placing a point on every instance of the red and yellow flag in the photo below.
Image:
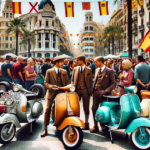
103	8
16	7
145	44
69	9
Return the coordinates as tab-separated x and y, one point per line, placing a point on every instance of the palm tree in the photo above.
129	5
16	26
28	38
113	33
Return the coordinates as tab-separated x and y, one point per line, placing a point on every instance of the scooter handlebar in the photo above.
121	86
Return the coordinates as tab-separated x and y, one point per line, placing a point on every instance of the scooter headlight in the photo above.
135	89
15	88
72	88
9	101
2	100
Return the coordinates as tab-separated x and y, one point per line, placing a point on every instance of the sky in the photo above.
74	25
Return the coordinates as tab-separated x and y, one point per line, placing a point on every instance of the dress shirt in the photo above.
56	70
83	67
102	69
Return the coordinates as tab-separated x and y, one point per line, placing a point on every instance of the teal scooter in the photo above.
125	113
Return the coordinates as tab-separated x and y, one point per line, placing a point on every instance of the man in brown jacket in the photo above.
54	76
82	79
104	83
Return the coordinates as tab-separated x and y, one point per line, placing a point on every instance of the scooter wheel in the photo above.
138	142
4	136
104	128
72	142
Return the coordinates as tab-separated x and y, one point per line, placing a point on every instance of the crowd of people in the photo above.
91	77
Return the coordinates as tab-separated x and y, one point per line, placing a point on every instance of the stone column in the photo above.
52	40
44	40
41	40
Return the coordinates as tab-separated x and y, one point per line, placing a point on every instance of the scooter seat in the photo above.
111	98
31	96
145	94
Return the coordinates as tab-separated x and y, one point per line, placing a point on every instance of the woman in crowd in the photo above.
125	78
29	74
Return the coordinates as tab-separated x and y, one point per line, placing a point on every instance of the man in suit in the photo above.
82	79
104	83
66	67
54	76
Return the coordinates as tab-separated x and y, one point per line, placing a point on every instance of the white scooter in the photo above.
22	106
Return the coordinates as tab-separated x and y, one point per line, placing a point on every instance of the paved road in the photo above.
100	141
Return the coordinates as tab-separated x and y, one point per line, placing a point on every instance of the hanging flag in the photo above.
141	2
121	5
33	7
103	8
86	6
69	9
145	42
16	7
134	4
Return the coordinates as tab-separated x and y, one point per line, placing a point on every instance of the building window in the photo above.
39	36
7	7
4	15
6	23
86	18
53	23
6	45
10	38
91	50
39	45
141	21
40	23
47	55
86	39
54	45
86	55
39	55
10	45
47	24
6	38
91	39
90	19
10	15
46	45
91	55
46	38
86	28
54	55
86	50
91	28
7	15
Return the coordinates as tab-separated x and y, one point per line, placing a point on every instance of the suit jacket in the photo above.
88	78
108	79
50	80
66	67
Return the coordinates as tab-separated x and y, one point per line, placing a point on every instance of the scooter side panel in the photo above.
74	103
60	108
126	111
138	122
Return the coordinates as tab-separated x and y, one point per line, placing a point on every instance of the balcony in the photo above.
134	29
148	5
141	27
46	39
141	12
148	24
134	20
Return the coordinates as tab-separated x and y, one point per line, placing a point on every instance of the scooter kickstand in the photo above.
31	128
111	136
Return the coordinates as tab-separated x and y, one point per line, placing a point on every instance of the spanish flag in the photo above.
69	9
103	8
145	44
16	7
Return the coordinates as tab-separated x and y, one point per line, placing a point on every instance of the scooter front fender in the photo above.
10	118
138	122
74	121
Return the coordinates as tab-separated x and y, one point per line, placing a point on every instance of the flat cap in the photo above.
58	58
8	57
80	57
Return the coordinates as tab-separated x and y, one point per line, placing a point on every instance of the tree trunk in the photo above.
129	3
109	46
17	43
112	44
28	48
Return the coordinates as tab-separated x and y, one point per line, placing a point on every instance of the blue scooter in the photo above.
125	113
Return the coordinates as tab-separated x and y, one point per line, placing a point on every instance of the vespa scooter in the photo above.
22	106
65	115
125	113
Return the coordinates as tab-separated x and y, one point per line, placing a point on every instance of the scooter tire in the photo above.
2	141
132	138
104	128
77	144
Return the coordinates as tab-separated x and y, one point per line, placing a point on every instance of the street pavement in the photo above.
100	141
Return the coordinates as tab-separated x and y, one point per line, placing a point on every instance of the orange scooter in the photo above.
65	115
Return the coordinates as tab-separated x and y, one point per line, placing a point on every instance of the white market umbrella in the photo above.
110	56
65	56
10	54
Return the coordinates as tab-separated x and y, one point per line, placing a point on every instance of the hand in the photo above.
146	86
22	81
55	89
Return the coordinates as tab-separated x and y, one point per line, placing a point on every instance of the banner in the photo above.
16	7
121	5
69	9
103	8
134	4
86	6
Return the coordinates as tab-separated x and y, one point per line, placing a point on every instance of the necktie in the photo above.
58	71
100	71
81	69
